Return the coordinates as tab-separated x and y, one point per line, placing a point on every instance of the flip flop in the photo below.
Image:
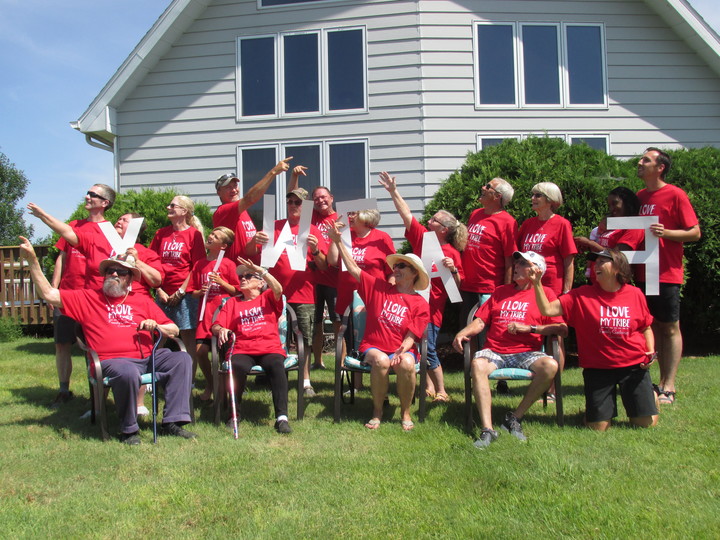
407	425
441	397
666	397
430	394
373	423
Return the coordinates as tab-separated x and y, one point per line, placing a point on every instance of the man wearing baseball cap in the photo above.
232	212
116	323
514	340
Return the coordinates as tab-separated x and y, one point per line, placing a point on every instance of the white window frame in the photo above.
589	135
279	78
566	136
305	4
480	136
519	68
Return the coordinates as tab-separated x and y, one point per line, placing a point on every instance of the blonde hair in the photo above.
370	217
552	193
190	218
457	234
227	233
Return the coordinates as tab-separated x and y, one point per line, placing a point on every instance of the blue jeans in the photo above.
432	357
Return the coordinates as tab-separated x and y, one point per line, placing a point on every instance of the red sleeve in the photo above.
414	235
197	250
420	317
567	244
510	236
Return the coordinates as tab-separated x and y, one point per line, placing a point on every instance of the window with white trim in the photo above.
339	165
597	141
302	73
546	65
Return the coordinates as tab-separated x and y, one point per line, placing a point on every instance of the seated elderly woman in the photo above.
615	342
396	317
253	317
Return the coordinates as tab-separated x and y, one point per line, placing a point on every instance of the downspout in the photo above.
102	144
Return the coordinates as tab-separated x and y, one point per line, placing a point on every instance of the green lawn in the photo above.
325	480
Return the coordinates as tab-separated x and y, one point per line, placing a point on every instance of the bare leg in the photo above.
436	381
480	369
63	362
379	380
603	425
405	371
317	345
544	369
560	361
644	421
669	343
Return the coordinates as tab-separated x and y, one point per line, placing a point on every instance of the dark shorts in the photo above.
325	296
601	386
665	307
304	313
64	329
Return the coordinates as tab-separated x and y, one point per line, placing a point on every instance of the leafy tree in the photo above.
13	184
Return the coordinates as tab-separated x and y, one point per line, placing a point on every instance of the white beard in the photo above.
113	288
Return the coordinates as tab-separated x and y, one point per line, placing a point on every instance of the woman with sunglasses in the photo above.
397	317
180	246
253	317
452	236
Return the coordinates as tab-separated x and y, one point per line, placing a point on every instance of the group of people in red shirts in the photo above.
520	276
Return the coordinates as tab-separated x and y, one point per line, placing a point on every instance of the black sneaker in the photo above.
176	431
132	439
511	424
502	388
62	397
487	436
283	426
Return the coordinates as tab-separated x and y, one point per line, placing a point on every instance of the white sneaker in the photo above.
142	410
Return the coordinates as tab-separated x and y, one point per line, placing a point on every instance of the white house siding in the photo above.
179	125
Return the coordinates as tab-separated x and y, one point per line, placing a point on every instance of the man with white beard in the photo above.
116	323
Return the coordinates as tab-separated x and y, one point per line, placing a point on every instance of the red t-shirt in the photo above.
491	238
324	223
242	225
75	264
608	325
507	305
198	277
632	238
110	324
553	239
390	314
254	322
438	294
179	251
674	211
298	286
96	248
152	259
369	253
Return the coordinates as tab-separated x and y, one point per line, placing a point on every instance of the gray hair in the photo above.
552	193
505	190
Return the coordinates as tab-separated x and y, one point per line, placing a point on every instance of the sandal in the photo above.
407	425
373	423
441	397
430	394
658	391
666	397
551	398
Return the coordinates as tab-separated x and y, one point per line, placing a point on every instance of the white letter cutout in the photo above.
354	205
650	257
121	245
433	253
297	254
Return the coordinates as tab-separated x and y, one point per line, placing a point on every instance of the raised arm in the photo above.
63	229
350	264
151	275
388	182
272	283
255	193
547	308
46	291
295	177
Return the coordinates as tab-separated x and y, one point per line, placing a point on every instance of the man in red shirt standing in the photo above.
114	320
677	223
232	212
70	274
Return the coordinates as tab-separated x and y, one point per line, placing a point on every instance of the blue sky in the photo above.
56	57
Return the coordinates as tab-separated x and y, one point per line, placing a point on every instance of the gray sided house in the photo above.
352	88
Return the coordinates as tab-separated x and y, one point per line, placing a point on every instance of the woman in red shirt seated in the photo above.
615	342
253	317
396	317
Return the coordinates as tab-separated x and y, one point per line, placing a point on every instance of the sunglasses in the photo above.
248	277
294	202
122	272
401	265
94	195
173	205
489	187
538	195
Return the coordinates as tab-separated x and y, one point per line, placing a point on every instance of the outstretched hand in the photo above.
387	181
334	232
26	249
535	275
282	166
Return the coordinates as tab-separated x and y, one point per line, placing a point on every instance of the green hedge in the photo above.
585	177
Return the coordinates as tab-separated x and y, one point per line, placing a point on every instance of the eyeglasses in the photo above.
537	195
173	205
401	265
352	214
122	272
248	277
294	202
94	195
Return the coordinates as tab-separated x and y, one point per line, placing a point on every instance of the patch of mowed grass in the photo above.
343	481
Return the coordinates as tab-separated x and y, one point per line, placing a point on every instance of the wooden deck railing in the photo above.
18	298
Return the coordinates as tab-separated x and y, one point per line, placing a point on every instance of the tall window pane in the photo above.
541	65
348	171
496	64
308	155
255	162
302	92
257	74
585	65
346	73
